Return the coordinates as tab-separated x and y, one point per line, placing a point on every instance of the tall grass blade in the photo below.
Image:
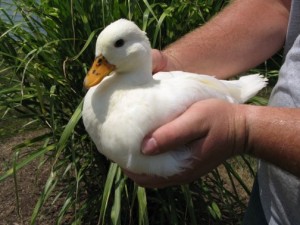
189	203
69	129
142	200
116	214
31	157
236	176
49	187
112	172
16	186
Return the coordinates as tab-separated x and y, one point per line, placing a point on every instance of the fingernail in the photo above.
149	146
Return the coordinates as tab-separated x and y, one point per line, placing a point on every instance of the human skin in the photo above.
245	34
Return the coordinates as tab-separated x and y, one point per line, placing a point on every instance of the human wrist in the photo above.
241	128
173	60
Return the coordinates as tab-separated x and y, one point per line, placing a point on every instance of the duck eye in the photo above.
119	43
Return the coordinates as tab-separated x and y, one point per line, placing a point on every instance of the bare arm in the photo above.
243	35
273	135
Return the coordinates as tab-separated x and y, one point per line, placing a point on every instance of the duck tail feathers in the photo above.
248	86
251	85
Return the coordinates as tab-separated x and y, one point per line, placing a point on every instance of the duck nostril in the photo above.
99	62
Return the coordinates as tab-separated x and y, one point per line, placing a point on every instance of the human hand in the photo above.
162	62
214	129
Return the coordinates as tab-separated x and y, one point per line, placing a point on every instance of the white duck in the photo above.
130	103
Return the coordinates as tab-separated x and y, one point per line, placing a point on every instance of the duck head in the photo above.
121	47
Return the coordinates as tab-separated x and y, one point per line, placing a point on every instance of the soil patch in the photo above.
30	182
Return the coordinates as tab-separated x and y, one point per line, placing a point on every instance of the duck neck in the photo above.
137	78
139	74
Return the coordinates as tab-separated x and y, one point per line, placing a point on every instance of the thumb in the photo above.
182	130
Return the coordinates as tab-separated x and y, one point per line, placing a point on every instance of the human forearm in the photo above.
273	135
245	34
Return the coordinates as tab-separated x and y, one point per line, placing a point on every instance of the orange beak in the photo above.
100	69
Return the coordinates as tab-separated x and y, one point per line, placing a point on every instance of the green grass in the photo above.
43	61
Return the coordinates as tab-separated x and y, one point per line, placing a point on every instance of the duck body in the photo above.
119	112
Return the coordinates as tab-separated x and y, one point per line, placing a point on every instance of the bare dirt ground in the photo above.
29	185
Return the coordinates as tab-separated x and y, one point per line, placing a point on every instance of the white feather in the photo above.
126	106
